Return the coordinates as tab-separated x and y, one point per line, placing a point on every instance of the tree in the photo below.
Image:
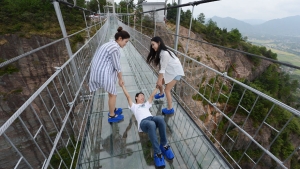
123	5
235	36
210	27
201	18
171	14
93	5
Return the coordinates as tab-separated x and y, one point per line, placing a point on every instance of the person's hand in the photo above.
159	83
121	82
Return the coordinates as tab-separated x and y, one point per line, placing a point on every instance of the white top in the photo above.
170	67
140	112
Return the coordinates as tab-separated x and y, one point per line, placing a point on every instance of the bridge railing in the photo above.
46	131
238	119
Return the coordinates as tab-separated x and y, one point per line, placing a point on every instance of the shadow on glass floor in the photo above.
120	145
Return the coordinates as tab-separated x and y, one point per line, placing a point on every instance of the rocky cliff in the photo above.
214	57
29	72
19	81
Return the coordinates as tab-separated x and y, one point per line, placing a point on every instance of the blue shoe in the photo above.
167	152
115	119
159	161
157	96
118	111
166	111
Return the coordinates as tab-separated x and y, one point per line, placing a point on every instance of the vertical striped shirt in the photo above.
105	67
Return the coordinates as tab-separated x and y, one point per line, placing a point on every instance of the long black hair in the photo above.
153	55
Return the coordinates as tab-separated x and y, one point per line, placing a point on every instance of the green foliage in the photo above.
269	80
185	18
94	6
147	151
37	17
221	125
203	79
203	117
278	85
236	154
78	38
233	133
225	88
8	69
282	147
64	154
172	13
211	81
148	25
295	162
254	153
254	50
235	36
267	53
201	18
197	97
212	33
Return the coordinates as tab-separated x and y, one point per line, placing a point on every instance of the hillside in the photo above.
280	34
231	23
288	26
214	57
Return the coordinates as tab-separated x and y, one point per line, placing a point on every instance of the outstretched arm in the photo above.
152	95
127	95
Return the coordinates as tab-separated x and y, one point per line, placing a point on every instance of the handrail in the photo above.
42	47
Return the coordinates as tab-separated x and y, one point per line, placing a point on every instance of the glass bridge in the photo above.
63	125
120	145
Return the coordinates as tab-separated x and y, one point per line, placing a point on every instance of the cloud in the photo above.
244	9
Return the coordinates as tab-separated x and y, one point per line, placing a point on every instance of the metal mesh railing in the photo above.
238	119
46	131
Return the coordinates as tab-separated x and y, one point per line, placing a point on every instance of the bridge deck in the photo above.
120	145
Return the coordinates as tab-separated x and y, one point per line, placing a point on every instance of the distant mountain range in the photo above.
254	21
289	26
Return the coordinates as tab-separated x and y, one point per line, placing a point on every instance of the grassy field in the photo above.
281	55
288	57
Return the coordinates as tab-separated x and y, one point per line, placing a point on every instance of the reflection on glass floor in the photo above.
120	145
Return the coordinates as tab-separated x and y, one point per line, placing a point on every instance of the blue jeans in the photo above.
149	125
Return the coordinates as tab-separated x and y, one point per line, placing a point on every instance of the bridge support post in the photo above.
68	46
141	23
177	25
88	29
188	40
154	16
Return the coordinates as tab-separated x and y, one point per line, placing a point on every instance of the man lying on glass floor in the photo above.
148	124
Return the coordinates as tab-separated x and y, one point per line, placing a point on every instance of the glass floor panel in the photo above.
120	145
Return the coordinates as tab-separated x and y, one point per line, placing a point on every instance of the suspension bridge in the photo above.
65	126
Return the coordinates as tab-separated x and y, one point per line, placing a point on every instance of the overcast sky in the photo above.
244	9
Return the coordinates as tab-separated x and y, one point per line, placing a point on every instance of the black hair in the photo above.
121	33
137	95
153	55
